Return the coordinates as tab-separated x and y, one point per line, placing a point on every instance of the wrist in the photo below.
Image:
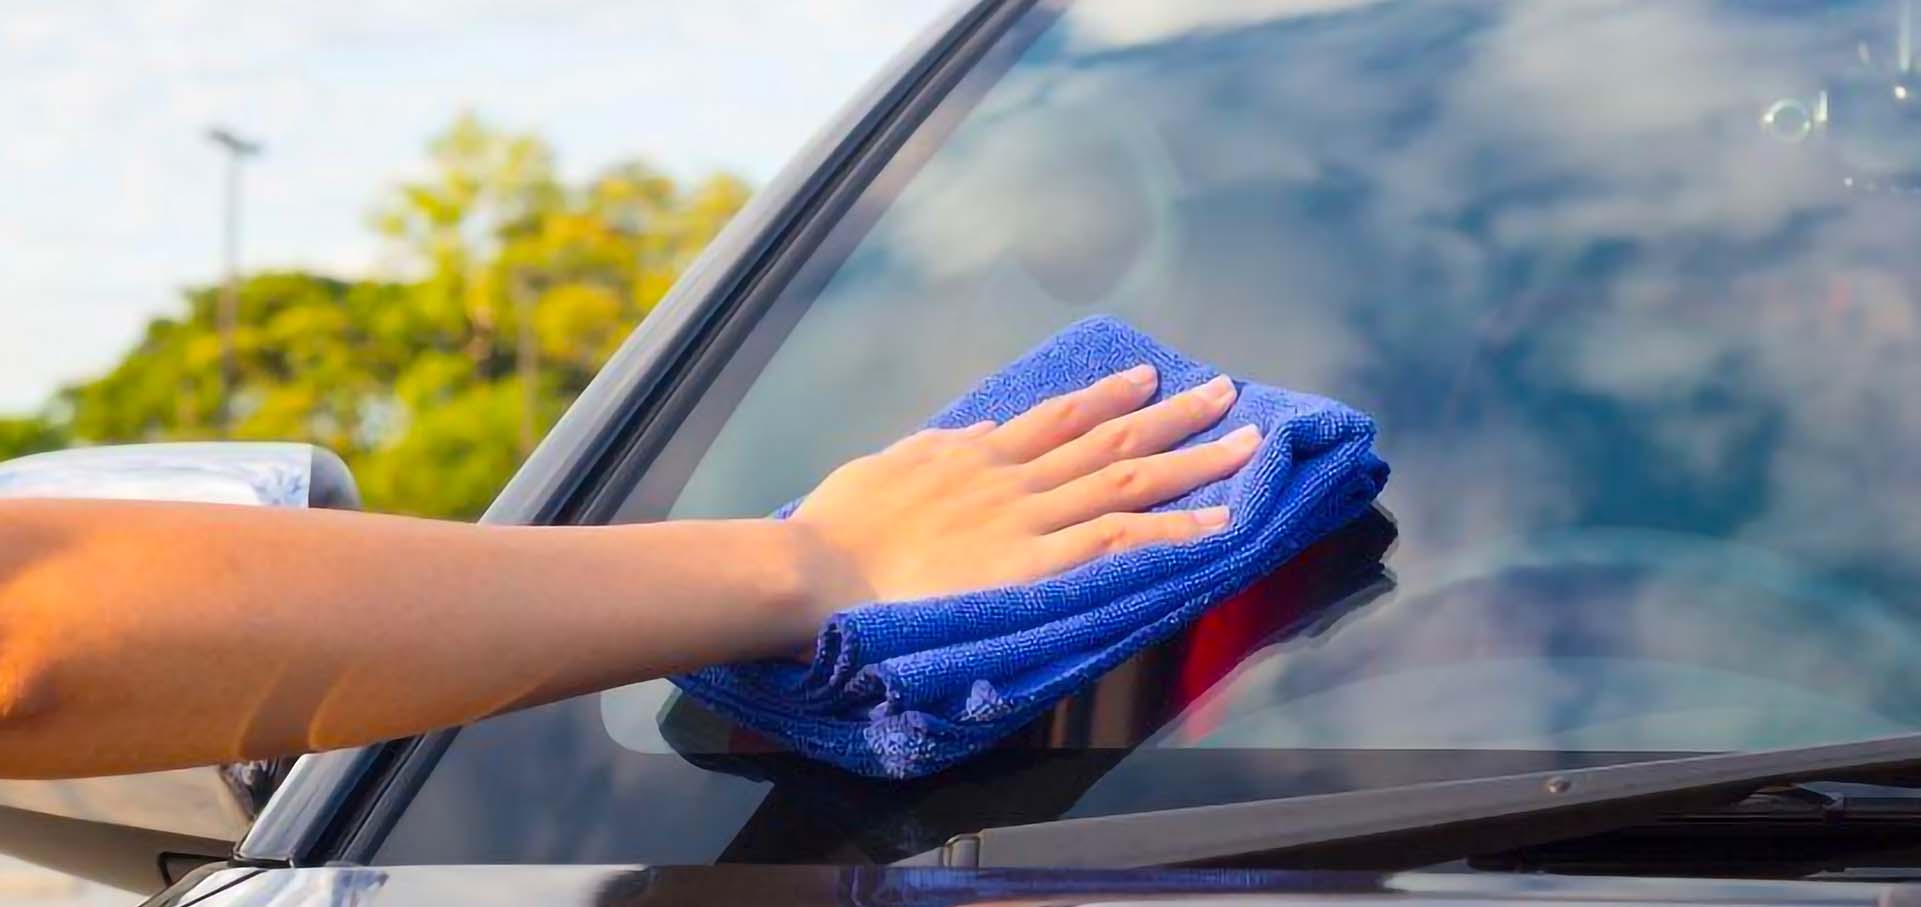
807	581
824	579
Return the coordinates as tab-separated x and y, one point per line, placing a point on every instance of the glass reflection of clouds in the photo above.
1603	316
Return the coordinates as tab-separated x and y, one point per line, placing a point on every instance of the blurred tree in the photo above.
309	354
433	388
33	434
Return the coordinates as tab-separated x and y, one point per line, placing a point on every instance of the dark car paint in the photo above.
807	886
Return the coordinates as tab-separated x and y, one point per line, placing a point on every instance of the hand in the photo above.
953	510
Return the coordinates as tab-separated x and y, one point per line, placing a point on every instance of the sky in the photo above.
110	194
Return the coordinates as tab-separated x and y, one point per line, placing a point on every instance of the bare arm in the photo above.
137	636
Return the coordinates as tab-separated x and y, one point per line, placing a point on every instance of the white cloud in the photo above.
112	193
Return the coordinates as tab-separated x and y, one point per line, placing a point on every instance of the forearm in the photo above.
140	636
143	636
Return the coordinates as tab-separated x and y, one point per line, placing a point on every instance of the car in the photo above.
1631	287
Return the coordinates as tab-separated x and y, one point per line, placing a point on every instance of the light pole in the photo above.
238	150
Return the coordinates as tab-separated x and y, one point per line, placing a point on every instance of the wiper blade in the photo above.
1795	803
1419	824
1782	832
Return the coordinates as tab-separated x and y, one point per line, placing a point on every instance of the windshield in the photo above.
1630	285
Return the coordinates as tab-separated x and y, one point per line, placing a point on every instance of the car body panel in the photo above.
807	886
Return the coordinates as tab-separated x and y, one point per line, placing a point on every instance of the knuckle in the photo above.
939	439
916	441
1128	478
941	453
1114	535
1062	409
959	454
1120	438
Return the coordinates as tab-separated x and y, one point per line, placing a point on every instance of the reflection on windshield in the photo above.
1621	641
1603	313
1630	286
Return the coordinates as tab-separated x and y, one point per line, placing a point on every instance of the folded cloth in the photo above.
903	689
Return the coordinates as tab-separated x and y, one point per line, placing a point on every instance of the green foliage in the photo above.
434	387
19	437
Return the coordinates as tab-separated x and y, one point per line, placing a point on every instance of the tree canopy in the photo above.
433	386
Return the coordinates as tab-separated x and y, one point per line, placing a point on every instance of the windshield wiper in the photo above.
1419	824
1781	832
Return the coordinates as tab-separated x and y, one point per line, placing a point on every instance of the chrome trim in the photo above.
259	474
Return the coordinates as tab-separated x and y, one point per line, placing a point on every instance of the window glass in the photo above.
1630	286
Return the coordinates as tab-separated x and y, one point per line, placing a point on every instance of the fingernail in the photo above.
1247	437
1211	517
980	427
1219	390
1141	376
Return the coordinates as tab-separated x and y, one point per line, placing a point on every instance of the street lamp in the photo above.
238	150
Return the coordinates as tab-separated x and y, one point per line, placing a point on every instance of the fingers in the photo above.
1118	532
1141	483
1066	417
1136	434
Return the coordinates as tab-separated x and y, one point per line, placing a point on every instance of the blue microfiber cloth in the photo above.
903	689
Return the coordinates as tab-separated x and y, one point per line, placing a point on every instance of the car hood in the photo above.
632	886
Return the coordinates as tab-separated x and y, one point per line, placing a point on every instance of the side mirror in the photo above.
142	832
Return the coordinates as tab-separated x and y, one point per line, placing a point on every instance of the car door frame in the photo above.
337	807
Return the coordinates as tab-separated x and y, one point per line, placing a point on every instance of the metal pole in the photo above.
229	295
526	360
227	314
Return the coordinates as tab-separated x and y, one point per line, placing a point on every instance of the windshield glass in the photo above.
1630	286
